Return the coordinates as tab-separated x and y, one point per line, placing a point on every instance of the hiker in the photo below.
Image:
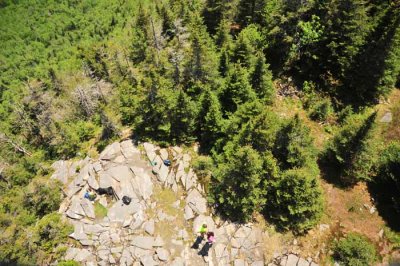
200	236
210	238
90	195
203	230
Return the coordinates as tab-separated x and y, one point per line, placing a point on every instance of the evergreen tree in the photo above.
346	24
295	201
238	190
215	11
224	64
261	131
247	45
346	152
209	120
237	91
388	175
223	38
202	64
261	81
251	11
294	147
183	119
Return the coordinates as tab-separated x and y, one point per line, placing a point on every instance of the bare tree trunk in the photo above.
16	146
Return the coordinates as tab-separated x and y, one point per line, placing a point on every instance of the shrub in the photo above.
354	250
203	166
321	110
43	197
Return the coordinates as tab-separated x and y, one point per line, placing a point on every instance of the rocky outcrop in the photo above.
142	232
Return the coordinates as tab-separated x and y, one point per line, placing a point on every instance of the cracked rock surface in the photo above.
159	225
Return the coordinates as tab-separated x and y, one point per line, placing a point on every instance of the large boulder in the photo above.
197	202
111	151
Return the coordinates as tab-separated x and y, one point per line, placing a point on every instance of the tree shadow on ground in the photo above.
383	194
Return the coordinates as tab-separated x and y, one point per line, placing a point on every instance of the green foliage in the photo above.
261	131
388	173
240	185
294	147
237	91
183	119
321	110
99	210
43	197
355	250
203	167
353	150
261	81
209	120
68	263
295	200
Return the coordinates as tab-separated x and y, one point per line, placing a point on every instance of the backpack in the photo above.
126	200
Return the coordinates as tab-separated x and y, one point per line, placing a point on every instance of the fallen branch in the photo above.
16	146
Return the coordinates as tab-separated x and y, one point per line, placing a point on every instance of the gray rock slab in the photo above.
149	227
158	242
61	171
95	229
188	213
221	251
97	167
148	261
72	189
129	149
92	182
105	180
163	173
88	208
143	186
162	254
197	202
258	263
164	154
150	151
79	232
82	255
119	211
190	180
71	253
120	172
239	262
143	242
292	260
302	262
111	151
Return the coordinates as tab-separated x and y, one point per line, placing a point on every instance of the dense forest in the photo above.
248	81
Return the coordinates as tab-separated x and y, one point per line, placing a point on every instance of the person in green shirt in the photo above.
203	230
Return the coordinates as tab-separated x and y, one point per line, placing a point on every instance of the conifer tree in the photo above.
261	81
295	201
238	191
294	147
237	91
346	151
183	119
209	120
202	64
